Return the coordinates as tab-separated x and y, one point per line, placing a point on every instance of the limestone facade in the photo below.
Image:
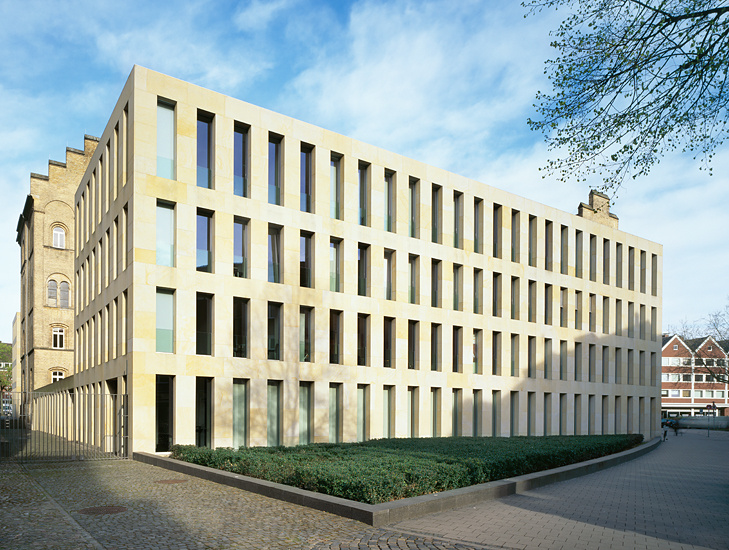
45	232
303	286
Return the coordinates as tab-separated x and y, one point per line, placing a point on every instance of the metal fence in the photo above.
68	425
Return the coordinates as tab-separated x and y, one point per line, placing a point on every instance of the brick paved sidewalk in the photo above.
673	497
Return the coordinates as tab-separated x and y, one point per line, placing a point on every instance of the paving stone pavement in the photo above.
676	497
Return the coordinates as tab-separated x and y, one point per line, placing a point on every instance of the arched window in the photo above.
52	286
57	375
65	294
59	237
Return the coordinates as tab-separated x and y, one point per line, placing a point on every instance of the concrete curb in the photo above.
407	508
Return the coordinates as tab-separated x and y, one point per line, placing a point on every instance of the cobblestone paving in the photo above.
672	498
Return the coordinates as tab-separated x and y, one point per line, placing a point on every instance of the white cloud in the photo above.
258	14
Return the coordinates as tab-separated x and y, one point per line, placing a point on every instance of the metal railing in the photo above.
67	425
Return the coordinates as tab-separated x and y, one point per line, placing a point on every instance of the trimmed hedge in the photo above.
389	469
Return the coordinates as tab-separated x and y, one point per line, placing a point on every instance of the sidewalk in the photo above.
674	497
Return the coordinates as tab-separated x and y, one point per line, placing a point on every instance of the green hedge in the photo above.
389	469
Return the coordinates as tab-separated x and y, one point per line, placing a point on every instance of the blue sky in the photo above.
448	83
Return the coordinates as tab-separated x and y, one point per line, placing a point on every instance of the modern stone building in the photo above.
43	329
251	279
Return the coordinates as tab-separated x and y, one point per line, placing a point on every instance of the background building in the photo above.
44	345
687	381
250	279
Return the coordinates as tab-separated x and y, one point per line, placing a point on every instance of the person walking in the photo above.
665	431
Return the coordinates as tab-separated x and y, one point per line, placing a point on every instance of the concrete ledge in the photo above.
407	508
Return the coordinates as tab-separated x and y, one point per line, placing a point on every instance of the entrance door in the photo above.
203	399
164	419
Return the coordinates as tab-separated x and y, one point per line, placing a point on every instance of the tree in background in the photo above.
634	79
5	378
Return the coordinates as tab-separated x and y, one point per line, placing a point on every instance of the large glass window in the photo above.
240	247
240	327
204	324
275	271
240	160
165	320
204	150
165	140
204	241
274	331
274	170
306	191
165	234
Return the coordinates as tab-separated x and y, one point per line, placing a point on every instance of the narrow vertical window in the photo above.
654	274
592	313
591	363
363	269
618	317
165	320
496	232
547	304
335	413
457	287
274	331
435	346
457	219
578	310
477	290
631	268
643	268
240	327
436	214
414	279
165	234
204	324
548	245
335	246
306	263
515	299
605	262
514	355
515	233
496	295
547	358
457	349
306	334
274	420
477	352
531	357
593	258
532	302
274	170
335	186
533	241
388	411
240	247
306	413
275	271
204	241
306	190
457	415
204	150
563	360
240	160
435	412
477	225
335	337
564	250
413	345
389	274
605	315
619	265
165	140
578	361
605	364
412	412
496	353
435	282
364	193
389	201
64	291
631	320
477	412
578	254
414	207
363	339
52	293
563	307
388	352
363	407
